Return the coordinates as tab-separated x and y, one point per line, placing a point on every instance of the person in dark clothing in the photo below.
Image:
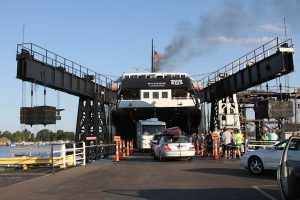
209	144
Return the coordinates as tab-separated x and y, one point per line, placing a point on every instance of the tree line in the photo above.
43	135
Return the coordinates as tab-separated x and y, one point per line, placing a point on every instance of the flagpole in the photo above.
152	64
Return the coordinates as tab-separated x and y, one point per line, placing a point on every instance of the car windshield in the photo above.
174	139
153	129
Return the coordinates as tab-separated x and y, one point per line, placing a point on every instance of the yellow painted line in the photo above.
258	188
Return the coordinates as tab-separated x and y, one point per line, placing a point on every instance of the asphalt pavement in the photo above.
141	177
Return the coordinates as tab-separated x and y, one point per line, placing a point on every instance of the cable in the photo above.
23	101
44	95
31	96
201	74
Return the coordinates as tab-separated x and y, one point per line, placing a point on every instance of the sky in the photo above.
114	36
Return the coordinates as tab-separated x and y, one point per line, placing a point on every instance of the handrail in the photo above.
61	63
248	59
260	144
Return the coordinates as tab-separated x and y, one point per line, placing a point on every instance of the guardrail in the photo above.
54	155
252	145
258	54
64	155
95	152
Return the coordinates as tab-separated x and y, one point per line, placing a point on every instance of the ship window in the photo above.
131	95
146	95
126	77
164	95
179	93
155	95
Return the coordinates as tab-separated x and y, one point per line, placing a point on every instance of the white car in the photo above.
263	159
174	147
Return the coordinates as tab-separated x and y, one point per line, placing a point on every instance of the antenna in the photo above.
284	28
23	35
23	82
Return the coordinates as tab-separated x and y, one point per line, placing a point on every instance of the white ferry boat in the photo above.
166	96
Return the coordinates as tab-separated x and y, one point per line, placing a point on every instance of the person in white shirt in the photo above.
226	140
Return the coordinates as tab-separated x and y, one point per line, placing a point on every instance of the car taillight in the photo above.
192	147
167	148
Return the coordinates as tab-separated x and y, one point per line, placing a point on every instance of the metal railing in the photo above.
95	152
252	145
60	63
243	62
59	155
78	151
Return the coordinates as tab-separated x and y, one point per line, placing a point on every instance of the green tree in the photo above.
70	136
43	135
17	136
27	135
8	135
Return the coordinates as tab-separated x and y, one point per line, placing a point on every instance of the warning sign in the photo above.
117	138
91	138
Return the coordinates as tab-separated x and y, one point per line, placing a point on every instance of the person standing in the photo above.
226	139
209	144
200	144
239	139
272	136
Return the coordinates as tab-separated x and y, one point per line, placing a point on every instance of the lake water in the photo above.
13	151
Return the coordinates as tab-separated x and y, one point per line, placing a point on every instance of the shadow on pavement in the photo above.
234	172
212	193
17	175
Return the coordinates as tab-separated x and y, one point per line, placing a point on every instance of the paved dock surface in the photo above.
140	177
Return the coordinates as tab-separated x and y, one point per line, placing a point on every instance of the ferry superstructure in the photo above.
166	96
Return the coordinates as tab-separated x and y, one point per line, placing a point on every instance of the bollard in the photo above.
127	148
131	146
117	152
216	149
124	149
120	149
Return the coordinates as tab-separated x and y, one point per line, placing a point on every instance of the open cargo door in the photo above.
288	173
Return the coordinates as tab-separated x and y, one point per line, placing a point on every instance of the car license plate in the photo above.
181	146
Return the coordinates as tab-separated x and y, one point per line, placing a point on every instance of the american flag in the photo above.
157	56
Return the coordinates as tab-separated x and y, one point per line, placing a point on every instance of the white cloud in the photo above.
240	40
272	28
